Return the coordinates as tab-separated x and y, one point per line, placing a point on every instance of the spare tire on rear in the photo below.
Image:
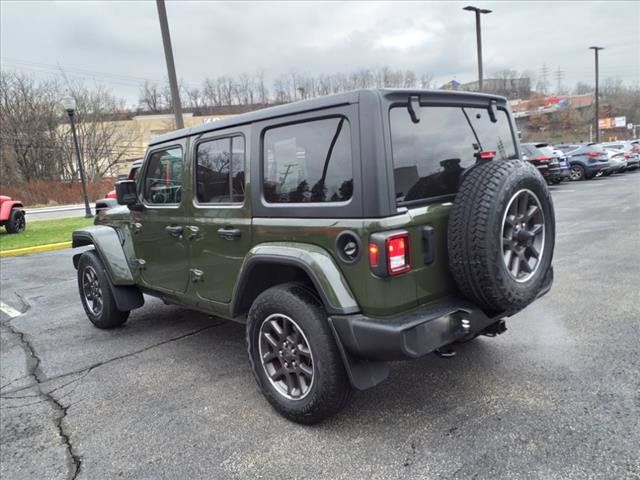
501	235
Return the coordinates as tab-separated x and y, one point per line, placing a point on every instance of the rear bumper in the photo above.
411	335
415	334
595	168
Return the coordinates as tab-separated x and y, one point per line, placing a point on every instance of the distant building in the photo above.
452	85
137	132
524	108
506	87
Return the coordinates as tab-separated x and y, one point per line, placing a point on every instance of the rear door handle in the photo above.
229	233
174	230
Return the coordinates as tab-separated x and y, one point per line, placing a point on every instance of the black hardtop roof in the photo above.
318	103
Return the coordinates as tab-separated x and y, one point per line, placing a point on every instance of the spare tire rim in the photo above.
92	293
286	356
523	235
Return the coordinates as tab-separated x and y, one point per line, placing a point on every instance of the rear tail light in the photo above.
542	158
398	254
593	154
629	155
389	253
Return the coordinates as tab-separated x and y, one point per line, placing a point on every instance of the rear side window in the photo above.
308	162
163	178
429	157
220	170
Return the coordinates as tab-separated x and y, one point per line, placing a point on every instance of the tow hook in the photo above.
495	329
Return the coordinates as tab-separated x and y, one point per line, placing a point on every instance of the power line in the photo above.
84	71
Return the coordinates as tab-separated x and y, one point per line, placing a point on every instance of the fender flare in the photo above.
316	262
108	246
7	206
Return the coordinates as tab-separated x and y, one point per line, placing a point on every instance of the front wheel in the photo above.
294	356
95	293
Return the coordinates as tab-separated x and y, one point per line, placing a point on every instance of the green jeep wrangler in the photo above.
346	232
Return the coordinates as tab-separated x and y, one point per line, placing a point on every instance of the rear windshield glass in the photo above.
430	156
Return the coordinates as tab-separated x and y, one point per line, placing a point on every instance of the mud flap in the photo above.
127	298
363	374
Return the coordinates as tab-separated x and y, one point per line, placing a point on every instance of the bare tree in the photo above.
151	97
104	141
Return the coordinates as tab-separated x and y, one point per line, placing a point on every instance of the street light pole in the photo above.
478	12
69	105
597	123
171	68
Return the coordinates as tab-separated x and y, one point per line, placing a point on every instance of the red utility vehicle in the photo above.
12	215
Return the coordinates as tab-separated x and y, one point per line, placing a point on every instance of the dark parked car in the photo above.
585	161
344	232
551	163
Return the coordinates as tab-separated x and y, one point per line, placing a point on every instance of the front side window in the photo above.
430	156
220	170
163	178
308	162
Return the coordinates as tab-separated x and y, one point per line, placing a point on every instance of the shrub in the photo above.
48	192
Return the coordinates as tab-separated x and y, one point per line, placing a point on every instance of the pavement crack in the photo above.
86	370
33	368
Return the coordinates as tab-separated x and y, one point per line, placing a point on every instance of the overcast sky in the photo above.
119	42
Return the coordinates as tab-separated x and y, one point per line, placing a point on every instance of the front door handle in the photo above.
174	230
229	233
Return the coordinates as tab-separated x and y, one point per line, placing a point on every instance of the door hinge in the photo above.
193	232
196	275
139	263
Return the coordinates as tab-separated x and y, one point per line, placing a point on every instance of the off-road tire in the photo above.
109	315
330	389
17	222
475	230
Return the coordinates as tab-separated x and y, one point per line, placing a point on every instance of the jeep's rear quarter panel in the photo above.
377	297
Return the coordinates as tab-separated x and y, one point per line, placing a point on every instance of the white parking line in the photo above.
9	310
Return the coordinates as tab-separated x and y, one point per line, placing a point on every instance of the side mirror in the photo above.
126	192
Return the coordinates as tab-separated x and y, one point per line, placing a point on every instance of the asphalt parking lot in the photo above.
170	395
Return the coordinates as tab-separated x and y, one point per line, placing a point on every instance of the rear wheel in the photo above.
576	172
17	221
293	354
95	293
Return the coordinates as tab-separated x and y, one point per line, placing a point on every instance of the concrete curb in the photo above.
37	249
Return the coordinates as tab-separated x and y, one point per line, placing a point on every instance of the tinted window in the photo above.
430	156
308	162
220	171
163	180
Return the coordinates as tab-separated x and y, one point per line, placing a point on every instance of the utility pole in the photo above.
171	68
596	122
69	104
478	12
